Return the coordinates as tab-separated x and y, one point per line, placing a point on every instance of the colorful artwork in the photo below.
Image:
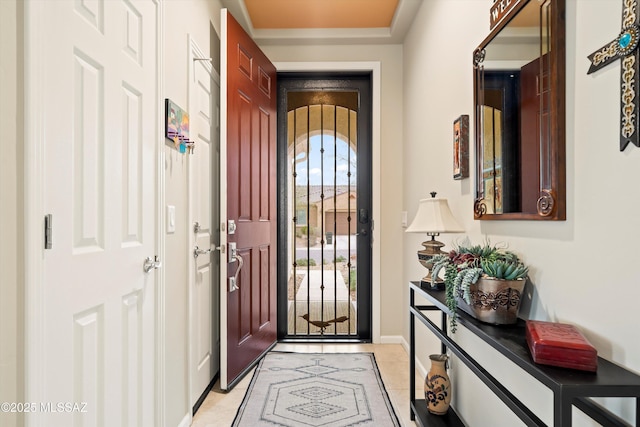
461	147
177	126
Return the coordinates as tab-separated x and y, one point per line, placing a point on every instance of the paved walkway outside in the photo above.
332	287
345	246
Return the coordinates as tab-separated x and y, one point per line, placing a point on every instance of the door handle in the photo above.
233	281
151	264
197	251
233	252
363	216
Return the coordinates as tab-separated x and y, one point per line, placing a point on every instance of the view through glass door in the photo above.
325	201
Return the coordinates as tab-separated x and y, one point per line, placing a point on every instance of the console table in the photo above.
570	387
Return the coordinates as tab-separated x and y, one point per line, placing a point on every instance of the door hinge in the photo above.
48	231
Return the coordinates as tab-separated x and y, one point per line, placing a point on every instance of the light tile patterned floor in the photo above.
219	408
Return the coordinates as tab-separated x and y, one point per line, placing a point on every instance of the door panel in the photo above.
248	153
101	133
532	136
203	91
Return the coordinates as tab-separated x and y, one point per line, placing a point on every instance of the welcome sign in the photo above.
499	10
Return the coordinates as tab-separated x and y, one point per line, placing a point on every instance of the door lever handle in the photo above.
233	281
197	251
151	264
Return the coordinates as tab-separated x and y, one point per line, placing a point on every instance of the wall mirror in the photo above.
519	95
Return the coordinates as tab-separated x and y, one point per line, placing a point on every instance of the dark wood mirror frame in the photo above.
547	199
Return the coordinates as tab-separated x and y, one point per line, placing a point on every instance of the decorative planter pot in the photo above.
437	386
494	301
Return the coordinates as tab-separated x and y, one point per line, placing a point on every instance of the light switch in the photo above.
171	219
404	219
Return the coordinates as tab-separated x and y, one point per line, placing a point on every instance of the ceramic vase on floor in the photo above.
437	386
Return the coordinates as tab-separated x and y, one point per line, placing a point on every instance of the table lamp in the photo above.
433	217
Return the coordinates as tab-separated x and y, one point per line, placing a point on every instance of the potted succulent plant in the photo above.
484	281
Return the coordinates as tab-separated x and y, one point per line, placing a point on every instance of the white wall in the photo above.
390	181
576	280
181	18
11	224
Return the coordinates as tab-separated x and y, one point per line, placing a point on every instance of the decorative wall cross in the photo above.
624	47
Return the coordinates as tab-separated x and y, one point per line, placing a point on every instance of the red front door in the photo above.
248	147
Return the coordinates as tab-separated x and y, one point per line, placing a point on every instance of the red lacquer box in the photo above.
560	344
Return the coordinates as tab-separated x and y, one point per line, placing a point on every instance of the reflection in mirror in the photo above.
519	82
492	156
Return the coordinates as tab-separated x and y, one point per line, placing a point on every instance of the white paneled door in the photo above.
204	95
100	140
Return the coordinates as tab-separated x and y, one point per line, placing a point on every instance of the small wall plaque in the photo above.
499	10
177	127
461	147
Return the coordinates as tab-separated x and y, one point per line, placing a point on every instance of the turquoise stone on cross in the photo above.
625	48
624	40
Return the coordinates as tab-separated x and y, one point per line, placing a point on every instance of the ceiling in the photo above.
324	21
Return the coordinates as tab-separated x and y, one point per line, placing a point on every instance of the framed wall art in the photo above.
461	147
177	126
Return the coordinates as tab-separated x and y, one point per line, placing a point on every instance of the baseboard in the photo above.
204	394
186	421
405	345
391	339
421	369
419	366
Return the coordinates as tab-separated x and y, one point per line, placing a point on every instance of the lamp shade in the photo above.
434	216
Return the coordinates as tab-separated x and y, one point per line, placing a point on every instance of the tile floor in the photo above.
219	408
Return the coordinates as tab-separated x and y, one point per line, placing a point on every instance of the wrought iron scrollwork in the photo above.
546	203
479	208
478	57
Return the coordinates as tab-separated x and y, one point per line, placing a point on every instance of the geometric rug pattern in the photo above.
316	390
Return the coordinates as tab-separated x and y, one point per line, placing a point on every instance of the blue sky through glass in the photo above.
340	151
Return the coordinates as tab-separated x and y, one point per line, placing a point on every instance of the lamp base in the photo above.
426	283
431	248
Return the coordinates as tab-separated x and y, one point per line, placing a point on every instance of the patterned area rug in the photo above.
316	389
